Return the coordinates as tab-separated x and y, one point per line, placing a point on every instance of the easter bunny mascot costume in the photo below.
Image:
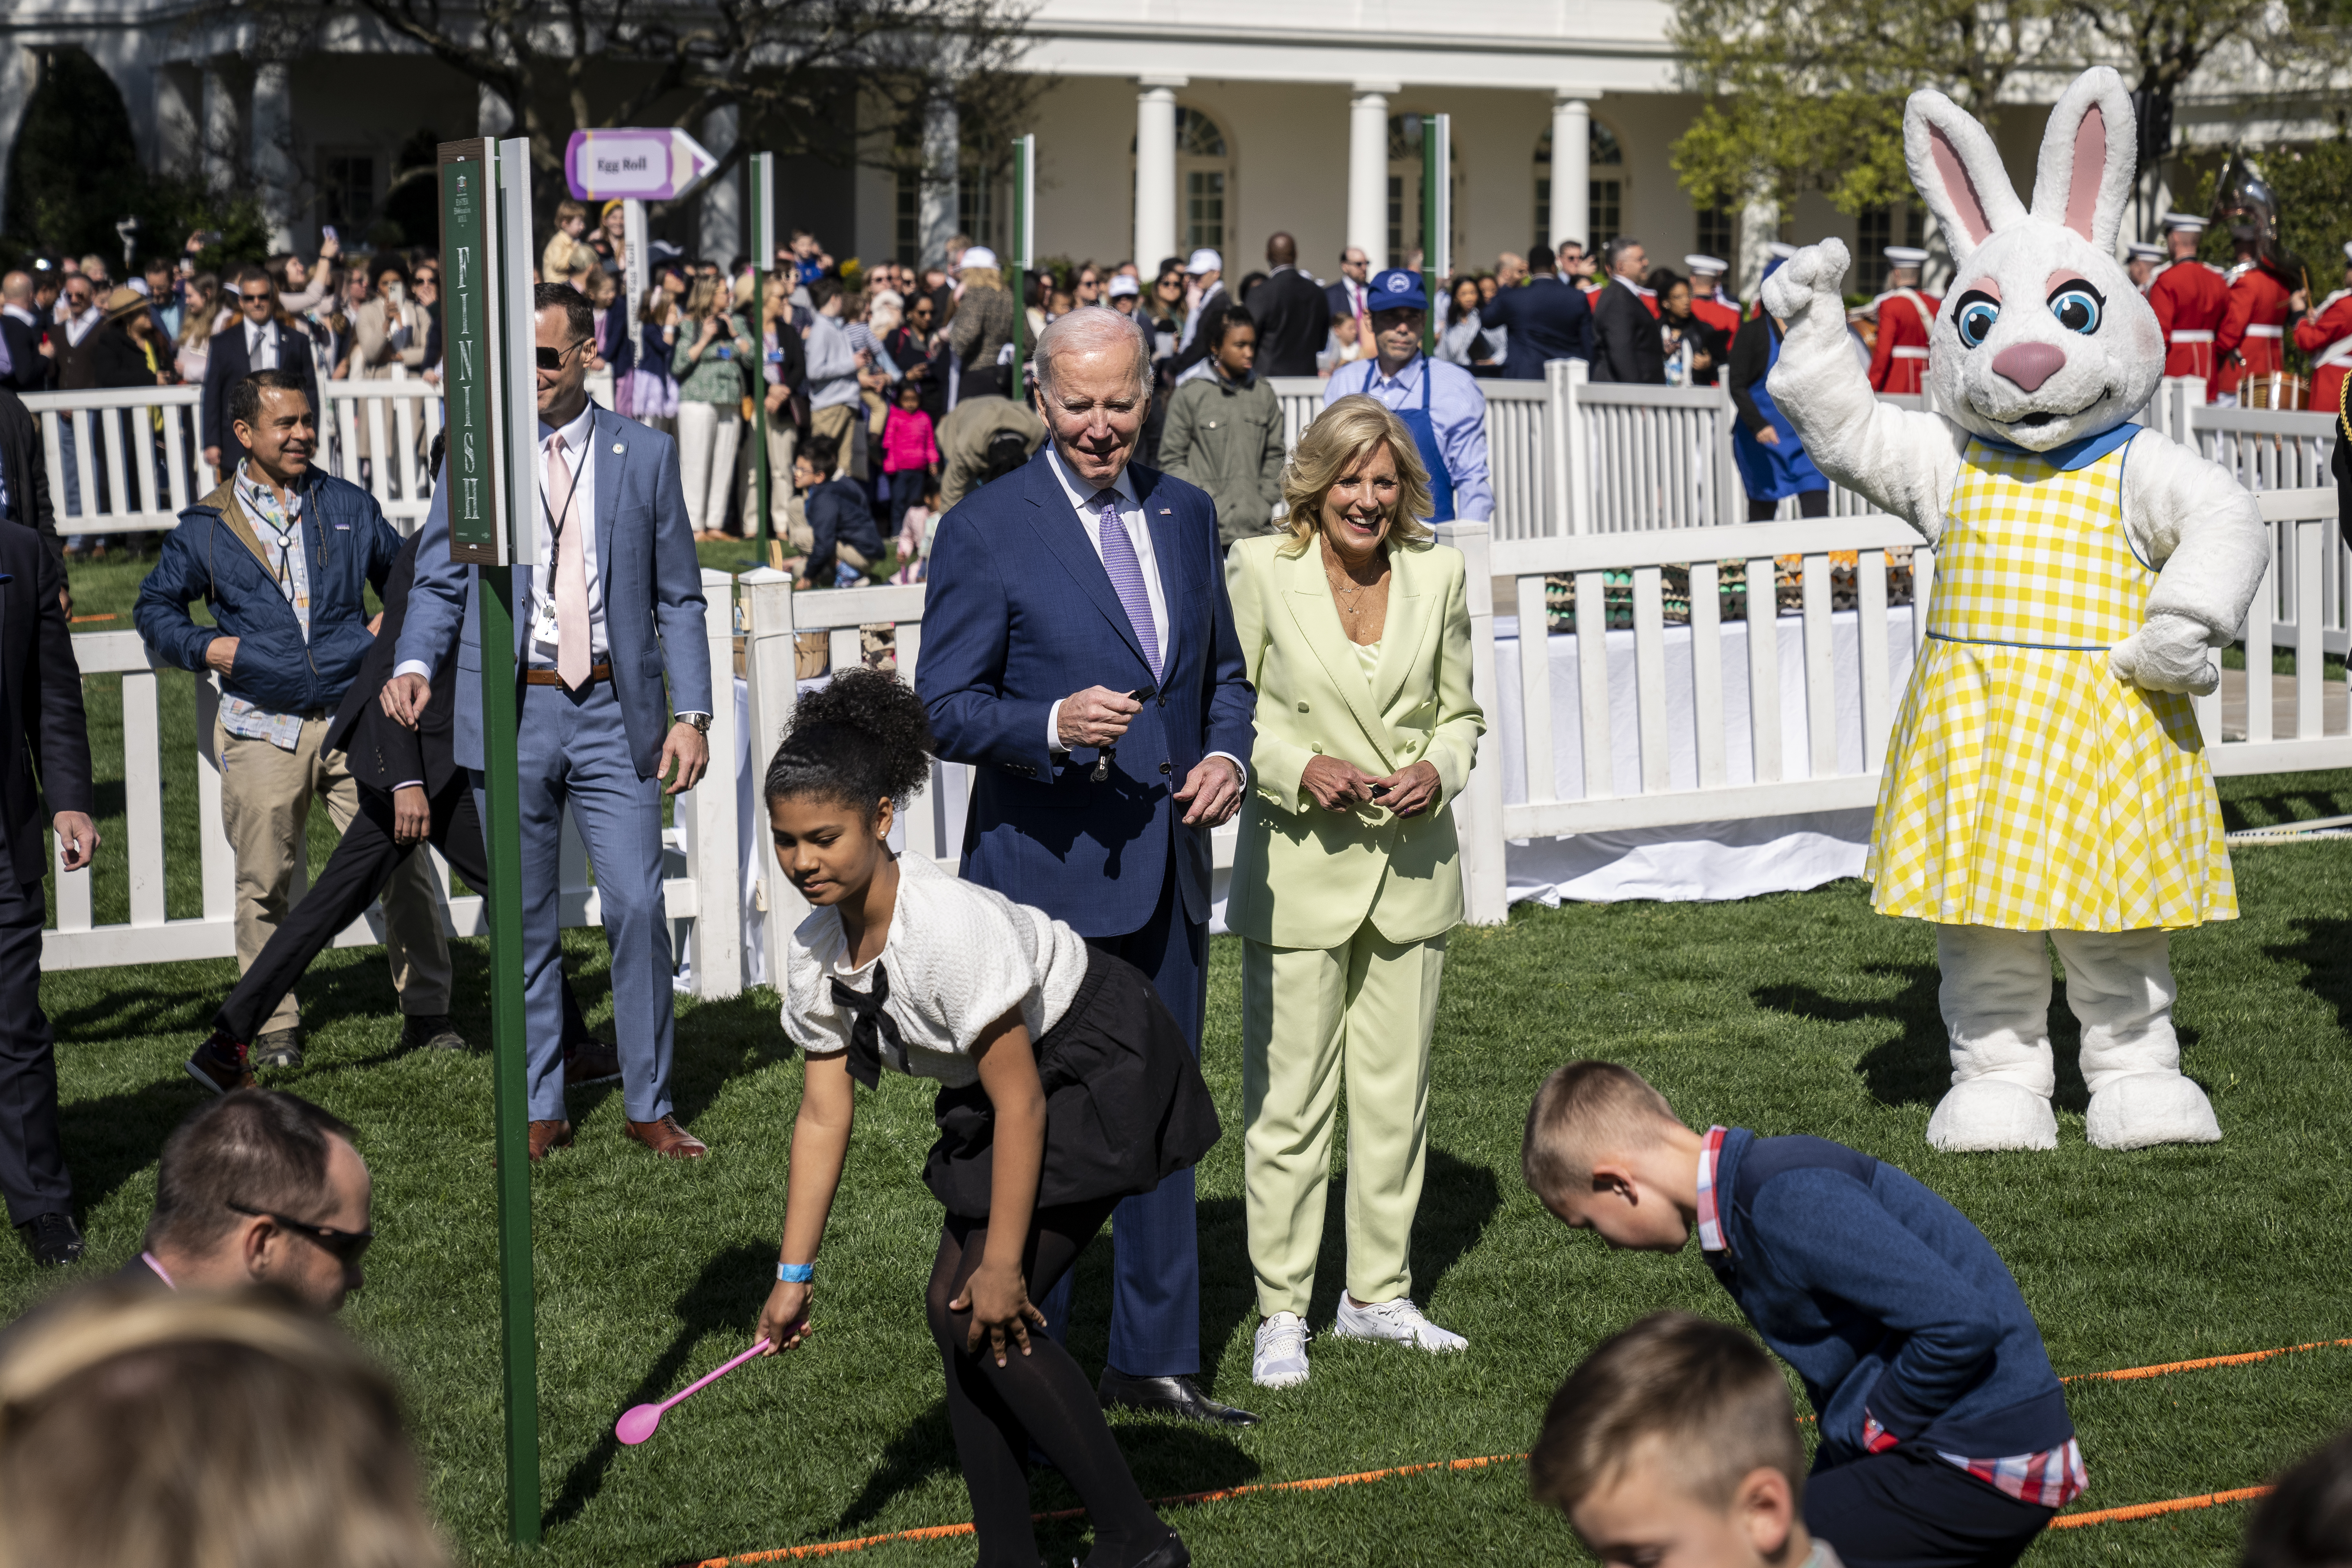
2047	776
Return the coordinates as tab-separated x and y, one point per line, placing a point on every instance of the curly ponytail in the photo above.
860	739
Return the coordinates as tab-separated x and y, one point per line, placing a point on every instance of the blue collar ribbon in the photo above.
2080	453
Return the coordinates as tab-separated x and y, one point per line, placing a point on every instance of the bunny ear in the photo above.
2088	156
1958	170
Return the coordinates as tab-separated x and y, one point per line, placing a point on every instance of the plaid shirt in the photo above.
2051	1478
279	530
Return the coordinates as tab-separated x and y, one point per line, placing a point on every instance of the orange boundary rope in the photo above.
2151	1510
1323	1483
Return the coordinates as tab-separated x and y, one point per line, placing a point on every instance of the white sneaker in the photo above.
1399	1320
1280	1359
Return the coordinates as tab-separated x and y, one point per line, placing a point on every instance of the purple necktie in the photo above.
1127	578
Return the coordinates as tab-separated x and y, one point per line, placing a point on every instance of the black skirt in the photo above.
1124	1104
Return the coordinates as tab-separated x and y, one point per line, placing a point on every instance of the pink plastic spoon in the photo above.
638	1422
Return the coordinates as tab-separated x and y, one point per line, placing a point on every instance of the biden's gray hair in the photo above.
1085	330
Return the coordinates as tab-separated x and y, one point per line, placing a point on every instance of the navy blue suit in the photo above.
1547	320
1020	615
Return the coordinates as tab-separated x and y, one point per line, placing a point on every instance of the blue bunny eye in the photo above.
1976	315
2078	307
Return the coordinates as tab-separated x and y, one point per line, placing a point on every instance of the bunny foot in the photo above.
2142	1110
1986	1113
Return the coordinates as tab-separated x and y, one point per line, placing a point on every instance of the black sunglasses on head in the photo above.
553	359
348	1245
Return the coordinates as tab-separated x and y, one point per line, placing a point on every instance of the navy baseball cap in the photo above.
1395	289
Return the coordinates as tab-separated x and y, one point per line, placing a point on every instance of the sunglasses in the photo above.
348	1245
255	299
553	359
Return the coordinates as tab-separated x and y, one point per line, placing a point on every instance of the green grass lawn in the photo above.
1796	1013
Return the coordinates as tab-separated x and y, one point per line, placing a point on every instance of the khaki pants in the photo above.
783	441
266	796
840	424
1309	1016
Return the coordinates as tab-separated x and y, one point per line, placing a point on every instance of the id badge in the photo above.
542	625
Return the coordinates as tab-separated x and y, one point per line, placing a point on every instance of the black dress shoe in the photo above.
53	1239
1178	1396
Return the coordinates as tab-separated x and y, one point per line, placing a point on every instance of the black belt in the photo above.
596	672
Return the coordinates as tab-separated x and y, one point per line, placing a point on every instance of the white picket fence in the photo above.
703	866
129	460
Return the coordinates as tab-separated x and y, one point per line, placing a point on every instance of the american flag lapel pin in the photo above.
1167	511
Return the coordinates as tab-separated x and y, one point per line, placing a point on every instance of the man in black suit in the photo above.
257	342
1346	298
411	791
44	779
1624	328
1547	319
29	370
24	473
1294	318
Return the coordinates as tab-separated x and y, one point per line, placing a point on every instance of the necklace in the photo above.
1345	590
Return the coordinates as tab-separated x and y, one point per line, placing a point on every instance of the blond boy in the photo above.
1676	1446
1945	1441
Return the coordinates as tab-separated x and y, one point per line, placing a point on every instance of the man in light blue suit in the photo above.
1058	595
616	603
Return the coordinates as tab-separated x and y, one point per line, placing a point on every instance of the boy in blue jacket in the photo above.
1943	1433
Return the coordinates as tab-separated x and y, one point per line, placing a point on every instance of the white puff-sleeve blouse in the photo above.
960	956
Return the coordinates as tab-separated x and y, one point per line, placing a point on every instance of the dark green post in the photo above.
485	266
762	176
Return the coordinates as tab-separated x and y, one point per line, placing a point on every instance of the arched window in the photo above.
1604	217
1204	181
1404	188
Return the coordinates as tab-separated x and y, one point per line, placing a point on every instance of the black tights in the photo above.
1042	1397
1810	503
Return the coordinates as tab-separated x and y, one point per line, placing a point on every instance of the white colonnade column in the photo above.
218	97
1571	171
273	149
493	115
1155	172
940	193
720	227
1367	170
20	72
1759	226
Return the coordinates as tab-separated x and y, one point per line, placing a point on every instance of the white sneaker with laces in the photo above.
1399	1320
1280	1359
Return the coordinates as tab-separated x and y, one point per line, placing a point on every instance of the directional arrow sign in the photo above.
646	166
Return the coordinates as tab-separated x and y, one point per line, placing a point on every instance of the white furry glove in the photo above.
2167	654
1808	278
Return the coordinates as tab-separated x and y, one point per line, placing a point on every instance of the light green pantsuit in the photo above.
1311	1017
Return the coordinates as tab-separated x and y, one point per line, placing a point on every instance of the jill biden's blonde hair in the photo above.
1342	437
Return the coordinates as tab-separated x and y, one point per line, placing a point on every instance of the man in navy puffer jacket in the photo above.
283	557
1945	1438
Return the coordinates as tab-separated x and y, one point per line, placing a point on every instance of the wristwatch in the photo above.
701	722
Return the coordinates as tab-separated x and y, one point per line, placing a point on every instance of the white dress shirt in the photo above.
1131	512
579	457
261	346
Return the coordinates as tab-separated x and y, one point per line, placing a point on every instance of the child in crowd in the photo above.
1674	1445
842	541
914	542
1943	1433
910	449
1063	1085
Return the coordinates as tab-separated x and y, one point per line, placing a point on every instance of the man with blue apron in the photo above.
1439	403
1772	461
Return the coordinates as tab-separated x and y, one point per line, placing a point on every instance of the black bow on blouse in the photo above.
869	1026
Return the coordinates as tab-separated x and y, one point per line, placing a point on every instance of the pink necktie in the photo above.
571	572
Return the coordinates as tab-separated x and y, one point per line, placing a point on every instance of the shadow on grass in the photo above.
2325	951
1457	1200
727	1293
111	1139
1914	1066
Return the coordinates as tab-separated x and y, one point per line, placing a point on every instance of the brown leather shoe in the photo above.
546	1135
591	1061
668	1140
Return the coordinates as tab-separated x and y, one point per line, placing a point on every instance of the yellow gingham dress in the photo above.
2026	787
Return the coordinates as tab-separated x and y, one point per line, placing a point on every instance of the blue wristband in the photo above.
795	1273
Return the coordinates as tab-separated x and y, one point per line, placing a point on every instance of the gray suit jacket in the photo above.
651	580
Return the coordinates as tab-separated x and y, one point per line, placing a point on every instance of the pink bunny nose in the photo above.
2030	365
